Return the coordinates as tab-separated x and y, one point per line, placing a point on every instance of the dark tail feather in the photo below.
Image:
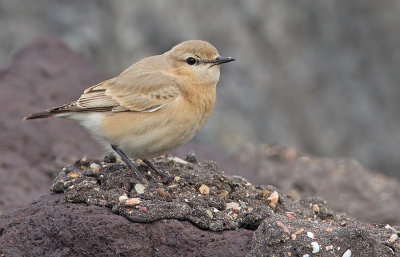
39	115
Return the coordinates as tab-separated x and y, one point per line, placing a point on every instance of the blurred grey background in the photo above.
322	76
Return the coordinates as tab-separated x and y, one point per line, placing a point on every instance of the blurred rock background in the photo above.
322	76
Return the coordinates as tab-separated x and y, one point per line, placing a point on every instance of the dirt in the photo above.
100	203
199	193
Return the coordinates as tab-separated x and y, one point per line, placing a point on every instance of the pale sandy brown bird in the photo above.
154	106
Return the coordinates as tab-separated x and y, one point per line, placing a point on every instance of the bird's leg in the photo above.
128	162
151	165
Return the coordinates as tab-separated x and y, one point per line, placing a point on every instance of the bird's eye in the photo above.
190	61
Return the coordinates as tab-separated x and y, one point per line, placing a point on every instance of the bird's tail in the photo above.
39	115
56	111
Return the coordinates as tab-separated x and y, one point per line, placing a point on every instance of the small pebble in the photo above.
123	198
347	253
298	232
393	238
329	247
232	205
132	201
140	188
177	160
177	178
306	255
266	192
243	205
315	247
143	208
291	215
110	158
310	235
73	175
162	192
94	167
204	189
315	208
274	198
209	213
191	157
283	226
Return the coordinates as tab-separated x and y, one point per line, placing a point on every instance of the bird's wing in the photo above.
143	92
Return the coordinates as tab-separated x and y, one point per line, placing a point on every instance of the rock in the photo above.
188	199
345	184
87	216
52	227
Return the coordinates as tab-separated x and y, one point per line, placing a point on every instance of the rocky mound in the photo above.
100	209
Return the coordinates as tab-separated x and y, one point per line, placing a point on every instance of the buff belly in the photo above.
139	135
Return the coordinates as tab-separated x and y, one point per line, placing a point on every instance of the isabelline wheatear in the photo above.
154	106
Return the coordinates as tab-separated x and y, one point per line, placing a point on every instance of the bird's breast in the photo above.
145	135
203	102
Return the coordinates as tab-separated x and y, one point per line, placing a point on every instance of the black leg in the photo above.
128	162
151	165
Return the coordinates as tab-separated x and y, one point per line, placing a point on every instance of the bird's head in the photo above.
196	61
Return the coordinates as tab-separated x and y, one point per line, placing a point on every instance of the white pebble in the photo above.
178	160
315	247
329	247
310	235
393	238
140	188
347	253
232	205
123	197
94	166
306	255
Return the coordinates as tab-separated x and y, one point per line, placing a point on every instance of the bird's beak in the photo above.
221	60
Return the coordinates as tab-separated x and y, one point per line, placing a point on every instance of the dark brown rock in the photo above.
90	217
113	184
52	227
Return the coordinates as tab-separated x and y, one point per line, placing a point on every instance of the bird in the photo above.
154	106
